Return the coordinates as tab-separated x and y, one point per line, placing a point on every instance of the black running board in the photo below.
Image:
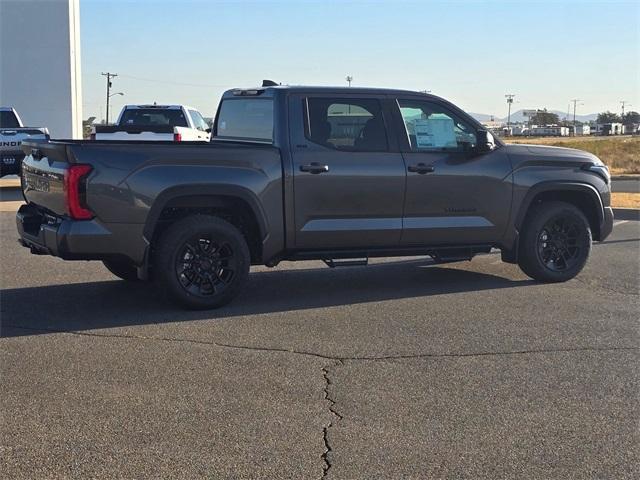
346	262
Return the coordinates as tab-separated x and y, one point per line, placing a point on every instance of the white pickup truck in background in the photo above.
12	133
178	123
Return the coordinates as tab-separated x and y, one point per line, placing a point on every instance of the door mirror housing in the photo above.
486	142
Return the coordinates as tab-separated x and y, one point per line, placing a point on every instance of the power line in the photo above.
153	80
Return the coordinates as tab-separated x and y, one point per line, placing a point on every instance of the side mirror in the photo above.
486	142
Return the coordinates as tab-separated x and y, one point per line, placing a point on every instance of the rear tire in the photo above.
201	262
555	242
122	269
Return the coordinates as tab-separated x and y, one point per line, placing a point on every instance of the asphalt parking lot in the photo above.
396	370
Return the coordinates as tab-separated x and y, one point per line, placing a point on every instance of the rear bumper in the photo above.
606	227
68	239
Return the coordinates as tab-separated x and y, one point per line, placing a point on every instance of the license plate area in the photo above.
36	183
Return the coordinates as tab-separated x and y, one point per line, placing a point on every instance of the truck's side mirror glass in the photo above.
486	142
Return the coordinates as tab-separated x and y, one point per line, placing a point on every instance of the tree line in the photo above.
543	117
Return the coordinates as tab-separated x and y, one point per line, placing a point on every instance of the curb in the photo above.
625	177
626	214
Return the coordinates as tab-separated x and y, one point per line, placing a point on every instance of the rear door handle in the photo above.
314	168
421	168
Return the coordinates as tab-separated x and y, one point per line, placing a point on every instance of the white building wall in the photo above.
40	72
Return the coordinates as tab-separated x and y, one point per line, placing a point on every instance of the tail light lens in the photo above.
75	190
177	137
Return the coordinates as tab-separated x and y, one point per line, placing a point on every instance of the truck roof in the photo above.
270	90
163	107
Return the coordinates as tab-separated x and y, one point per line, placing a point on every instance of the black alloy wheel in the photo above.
204	266
560	243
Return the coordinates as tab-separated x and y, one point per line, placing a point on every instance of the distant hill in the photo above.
518	117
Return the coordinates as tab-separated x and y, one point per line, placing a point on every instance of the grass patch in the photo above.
625	200
620	154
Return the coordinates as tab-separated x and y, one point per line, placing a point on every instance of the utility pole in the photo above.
624	102
109	76
349	79
509	98
575	102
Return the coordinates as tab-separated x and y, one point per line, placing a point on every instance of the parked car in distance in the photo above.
300	173
177	123
12	134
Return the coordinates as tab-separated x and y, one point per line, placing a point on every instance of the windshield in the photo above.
153	116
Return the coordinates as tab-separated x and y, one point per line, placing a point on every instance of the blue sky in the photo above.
471	52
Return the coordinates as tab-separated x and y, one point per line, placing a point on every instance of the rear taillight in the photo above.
75	190
177	137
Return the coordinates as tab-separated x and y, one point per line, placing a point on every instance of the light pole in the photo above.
112	95
109	76
349	79
509	97
575	102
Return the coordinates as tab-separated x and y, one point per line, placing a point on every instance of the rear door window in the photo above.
245	119
353	124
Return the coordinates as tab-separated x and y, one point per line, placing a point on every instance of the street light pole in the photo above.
509	98
109	76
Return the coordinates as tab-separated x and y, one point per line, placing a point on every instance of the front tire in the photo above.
555	242
202	262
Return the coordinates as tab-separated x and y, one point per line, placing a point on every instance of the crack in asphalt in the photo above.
336	360
326	461
329	357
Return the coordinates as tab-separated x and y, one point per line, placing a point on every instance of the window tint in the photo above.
154	116
198	121
346	124
246	119
432	128
8	120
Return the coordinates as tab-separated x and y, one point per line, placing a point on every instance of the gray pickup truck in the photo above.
300	173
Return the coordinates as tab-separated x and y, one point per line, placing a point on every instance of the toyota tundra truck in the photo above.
302	173
12	134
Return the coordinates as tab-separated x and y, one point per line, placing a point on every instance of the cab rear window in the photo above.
8	120
153	116
245	119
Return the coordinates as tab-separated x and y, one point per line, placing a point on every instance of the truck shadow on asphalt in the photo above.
111	304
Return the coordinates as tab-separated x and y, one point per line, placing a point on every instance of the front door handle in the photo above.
421	168
314	168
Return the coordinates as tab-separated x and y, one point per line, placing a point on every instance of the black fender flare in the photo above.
205	190
560	186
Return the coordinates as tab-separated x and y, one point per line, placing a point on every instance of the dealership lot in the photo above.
467	370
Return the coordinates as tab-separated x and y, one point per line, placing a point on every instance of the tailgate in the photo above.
43	175
134	132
